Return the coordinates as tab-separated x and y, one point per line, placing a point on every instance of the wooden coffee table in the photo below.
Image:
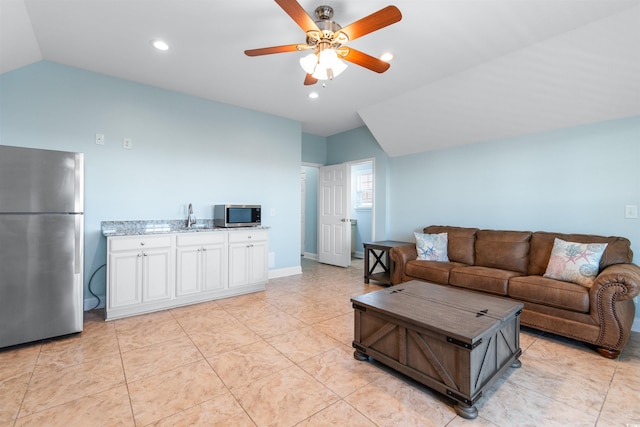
454	341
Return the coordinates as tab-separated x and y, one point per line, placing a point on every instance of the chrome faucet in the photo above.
191	218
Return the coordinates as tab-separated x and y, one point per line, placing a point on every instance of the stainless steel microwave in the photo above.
236	215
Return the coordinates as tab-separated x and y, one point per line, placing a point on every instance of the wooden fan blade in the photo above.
298	14
310	80
366	61
380	19
272	49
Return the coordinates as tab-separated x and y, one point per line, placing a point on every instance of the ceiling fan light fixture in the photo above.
329	65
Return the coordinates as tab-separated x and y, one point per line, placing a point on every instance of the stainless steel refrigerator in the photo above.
41	244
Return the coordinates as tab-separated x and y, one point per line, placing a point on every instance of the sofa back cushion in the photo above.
461	242
618	249
506	250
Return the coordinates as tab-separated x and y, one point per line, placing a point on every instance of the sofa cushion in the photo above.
485	279
460	242
430	271
431	247
506	250
575	262
618	249
551	292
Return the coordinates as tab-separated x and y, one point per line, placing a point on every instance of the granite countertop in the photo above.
145	227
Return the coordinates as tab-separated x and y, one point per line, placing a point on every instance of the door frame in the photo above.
317	166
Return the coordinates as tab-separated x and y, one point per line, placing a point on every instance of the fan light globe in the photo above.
308	63
323	66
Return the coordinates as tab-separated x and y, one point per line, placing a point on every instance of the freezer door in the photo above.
41	277
40	180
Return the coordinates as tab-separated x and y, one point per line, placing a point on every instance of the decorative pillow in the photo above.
432	247
575	262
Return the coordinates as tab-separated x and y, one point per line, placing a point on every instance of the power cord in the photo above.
89	286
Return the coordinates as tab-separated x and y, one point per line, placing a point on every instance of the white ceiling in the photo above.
465	70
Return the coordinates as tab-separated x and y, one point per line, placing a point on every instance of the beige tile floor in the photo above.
282	357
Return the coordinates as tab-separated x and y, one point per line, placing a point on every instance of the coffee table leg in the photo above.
466	412
358	355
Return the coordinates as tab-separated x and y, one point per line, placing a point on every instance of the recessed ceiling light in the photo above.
160	45
313	95
387	56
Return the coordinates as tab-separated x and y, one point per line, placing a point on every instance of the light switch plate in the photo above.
631	211
127	143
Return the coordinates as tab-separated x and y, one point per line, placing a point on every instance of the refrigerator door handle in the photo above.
79	246
79	183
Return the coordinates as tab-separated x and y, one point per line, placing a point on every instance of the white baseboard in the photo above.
311	256
284	272
359	254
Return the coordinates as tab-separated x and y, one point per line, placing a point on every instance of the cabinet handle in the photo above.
139	255
204	249
248	237
141	243
144	254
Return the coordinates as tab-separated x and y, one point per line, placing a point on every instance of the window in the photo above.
364	189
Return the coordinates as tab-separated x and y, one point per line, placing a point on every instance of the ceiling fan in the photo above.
326	39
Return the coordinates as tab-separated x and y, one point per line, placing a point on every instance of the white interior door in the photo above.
334	207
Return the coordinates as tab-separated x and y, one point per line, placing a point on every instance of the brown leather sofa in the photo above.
512	264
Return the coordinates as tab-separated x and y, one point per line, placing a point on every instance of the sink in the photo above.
197	227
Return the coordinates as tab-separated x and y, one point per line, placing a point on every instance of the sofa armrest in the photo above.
625	276
611	305
400	255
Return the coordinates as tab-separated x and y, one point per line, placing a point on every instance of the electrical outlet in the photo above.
127	143
100	138
631	211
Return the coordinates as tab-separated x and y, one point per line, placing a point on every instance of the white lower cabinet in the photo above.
139	270
201	263
248	258
150	273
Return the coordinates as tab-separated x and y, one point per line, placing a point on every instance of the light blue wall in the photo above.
185	149
359	144
314	149
575	180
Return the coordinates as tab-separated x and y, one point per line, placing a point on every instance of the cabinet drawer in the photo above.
139	242
247	236
200	238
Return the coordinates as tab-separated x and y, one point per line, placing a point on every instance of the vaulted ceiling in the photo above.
464	71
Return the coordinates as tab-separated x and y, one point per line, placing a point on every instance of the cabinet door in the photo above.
214	267
188	270
258	262
238	262
156	275
125	279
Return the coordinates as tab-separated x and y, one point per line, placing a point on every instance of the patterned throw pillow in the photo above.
575	262
432	247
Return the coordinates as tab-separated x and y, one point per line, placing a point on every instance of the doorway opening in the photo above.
361	210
